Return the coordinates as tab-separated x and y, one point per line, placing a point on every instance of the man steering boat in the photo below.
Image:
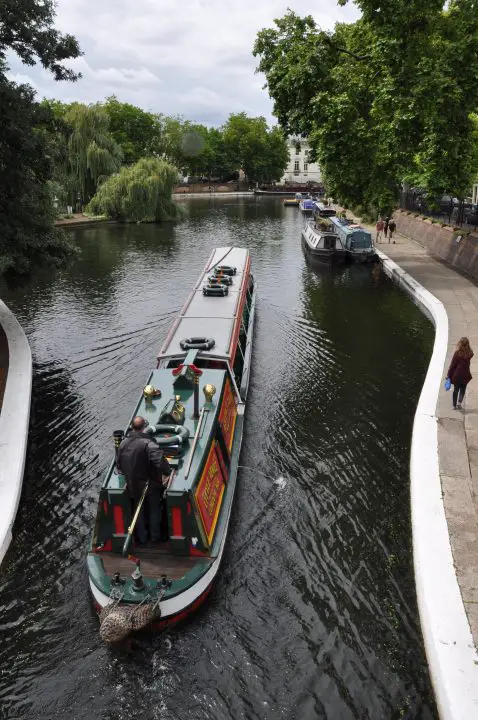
143	464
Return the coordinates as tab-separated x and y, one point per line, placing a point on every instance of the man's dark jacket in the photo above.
139	460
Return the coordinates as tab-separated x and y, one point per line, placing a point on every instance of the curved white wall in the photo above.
14	419
451	653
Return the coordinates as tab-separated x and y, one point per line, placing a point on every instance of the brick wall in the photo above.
442	242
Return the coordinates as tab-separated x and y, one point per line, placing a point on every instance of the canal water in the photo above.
314	614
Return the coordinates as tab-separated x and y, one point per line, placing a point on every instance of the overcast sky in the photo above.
178	57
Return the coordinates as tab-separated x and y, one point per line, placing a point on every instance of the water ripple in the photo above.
314	613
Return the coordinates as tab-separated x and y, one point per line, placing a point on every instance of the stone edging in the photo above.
449	646
14	420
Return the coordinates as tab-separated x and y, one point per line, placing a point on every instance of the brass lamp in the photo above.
209	392
149	392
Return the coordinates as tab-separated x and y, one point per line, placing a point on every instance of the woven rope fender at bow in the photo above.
118	621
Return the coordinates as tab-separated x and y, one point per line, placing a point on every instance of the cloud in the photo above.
192	57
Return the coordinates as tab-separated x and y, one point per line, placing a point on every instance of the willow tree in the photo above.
92	153
140	192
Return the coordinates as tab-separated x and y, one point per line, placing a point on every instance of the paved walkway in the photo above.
457	430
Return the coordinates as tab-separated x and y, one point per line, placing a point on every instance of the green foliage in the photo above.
27	215
386	99
26	26
138	133
140	192
260	152
92	153
27	235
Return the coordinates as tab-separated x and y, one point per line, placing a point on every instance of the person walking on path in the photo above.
379	228
391	229
141	461
385	227
459	371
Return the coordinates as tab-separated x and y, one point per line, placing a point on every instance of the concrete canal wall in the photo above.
440	519
457	248
14	420
444	458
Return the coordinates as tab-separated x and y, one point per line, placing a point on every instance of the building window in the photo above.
297	149
306	153
306	166
296	166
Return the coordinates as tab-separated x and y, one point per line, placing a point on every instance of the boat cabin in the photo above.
355	239
324	210
323	245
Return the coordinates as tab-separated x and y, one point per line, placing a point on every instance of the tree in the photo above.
140	192
93	155
384	99
138	133
250	145
27	215
26	26
26	209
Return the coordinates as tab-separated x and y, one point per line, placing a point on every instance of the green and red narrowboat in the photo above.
194	402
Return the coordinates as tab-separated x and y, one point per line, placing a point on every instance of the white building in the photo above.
299	169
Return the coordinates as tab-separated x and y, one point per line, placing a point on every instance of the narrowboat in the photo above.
291	202
194	402
322	210
322	244
357	241
307	206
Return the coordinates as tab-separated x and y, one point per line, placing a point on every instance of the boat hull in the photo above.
361	257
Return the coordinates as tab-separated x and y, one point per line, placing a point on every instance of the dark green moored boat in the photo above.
194	402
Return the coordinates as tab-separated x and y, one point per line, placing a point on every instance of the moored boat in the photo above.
275	193
322	244
194	403
291	202
322	210
357	241
307	206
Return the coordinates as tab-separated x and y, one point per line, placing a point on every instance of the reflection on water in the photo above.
314	614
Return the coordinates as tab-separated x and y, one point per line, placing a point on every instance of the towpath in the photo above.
457	430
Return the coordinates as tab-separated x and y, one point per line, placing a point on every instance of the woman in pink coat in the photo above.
459	370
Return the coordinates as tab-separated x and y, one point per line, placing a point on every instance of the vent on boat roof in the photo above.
223	279
215	288
224	270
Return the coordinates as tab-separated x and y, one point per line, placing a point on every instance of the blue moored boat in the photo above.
307	206
357	241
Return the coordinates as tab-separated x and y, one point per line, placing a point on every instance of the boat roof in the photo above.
212	317
347	227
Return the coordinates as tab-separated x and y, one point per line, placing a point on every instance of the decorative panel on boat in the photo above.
227	416
209	493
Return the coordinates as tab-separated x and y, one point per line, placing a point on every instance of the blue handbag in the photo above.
447	384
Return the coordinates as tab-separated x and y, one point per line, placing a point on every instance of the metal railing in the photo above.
452	211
